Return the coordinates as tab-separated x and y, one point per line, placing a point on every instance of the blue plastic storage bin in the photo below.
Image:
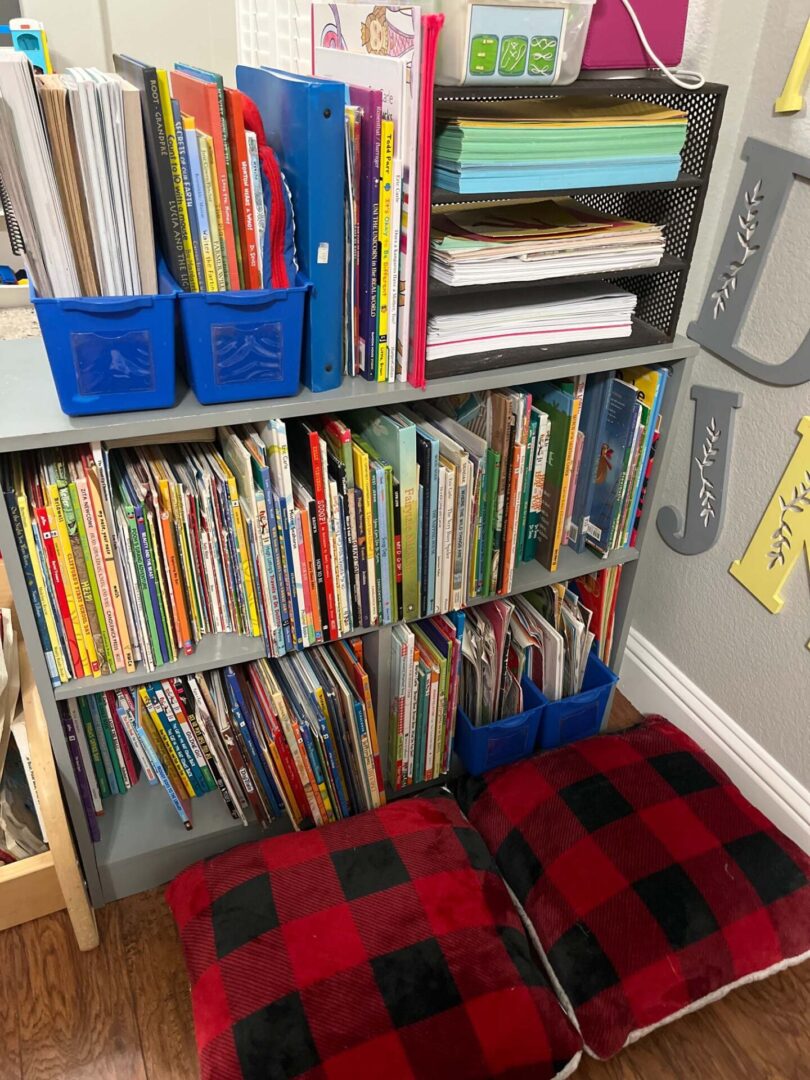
242	345
110	353
580	715
484	748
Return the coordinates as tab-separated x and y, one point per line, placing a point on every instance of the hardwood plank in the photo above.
160	990
12	961
623	714
76	1015
759	1032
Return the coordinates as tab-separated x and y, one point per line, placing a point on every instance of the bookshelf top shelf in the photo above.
31	417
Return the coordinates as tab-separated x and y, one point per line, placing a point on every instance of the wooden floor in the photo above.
123	1012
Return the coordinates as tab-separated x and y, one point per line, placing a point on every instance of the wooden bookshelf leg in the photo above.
56	824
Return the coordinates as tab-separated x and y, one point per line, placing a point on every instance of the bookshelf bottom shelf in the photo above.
144	844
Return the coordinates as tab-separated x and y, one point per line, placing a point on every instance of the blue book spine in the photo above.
162	775
622	411
240	714
30	581
655	412
198	193
289	536
188	189
280	556
275	584
176	737
593	419
151	584
330	757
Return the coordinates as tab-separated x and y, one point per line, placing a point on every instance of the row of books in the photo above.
425	665
208	187
302	533
295	736
87	156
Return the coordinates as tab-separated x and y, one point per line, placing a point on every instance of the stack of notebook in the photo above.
548	145
533	242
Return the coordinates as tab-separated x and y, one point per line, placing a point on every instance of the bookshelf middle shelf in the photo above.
220	650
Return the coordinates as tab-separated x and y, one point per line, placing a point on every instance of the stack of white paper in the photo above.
568	313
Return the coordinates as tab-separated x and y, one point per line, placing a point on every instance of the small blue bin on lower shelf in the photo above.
487	747
580	715
110	353
243	345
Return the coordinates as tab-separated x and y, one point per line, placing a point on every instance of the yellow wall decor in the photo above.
792	98
784	532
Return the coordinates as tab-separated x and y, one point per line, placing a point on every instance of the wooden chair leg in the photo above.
60	840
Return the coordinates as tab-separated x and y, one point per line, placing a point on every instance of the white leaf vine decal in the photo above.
782	537
706	495
749	223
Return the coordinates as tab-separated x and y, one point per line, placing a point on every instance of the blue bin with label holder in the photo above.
580	715
110	354
243	345
490	745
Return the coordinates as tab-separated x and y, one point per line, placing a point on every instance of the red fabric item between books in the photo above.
279	278
385	945
652	884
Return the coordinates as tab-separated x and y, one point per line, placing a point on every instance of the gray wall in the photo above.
199	32
754	665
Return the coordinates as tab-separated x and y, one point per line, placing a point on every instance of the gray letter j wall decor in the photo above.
712	438
769	176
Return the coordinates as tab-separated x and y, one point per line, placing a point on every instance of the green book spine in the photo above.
140	574
157	564
554	482
91	578
95	750
528	481
101	721
376	523
107	751
493	477
392	555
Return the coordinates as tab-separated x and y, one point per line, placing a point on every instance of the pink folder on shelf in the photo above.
431	26
614	42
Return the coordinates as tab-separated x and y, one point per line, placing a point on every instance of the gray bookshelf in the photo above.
143	842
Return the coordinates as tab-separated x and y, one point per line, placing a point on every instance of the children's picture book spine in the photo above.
188	192
177	180
245	209
212	203
159	769
72	709
31	584
91	735
109	757
384	245
184	714
84	494
126	715
60	589
72	738
102	509
43	585
209	272
129	773
173	740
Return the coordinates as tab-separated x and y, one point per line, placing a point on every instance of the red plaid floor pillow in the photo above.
652	885
385	945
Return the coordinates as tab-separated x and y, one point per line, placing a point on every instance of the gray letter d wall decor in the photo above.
712	438
769	176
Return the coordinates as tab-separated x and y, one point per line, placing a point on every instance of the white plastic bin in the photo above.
531	42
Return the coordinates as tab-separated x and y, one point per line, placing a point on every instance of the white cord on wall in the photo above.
687	80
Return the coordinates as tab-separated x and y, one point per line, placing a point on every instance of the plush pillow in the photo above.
652	885
385	945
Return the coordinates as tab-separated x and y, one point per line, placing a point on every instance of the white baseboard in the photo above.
652	683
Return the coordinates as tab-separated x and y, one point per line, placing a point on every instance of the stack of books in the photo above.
532	242
557	143
425	666
293	737
306	532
